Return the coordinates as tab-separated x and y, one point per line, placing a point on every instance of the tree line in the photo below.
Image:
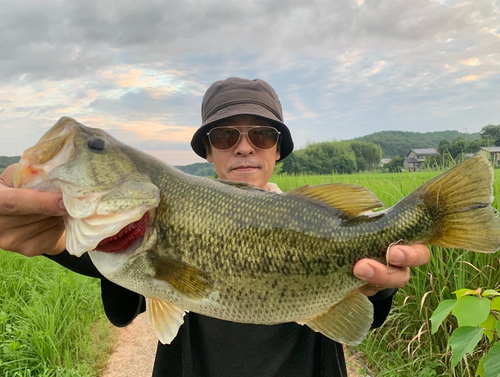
343	157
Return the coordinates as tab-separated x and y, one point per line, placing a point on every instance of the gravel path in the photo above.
134	352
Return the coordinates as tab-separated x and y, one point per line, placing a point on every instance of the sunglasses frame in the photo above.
244	133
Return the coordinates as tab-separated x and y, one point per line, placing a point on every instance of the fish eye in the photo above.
97	144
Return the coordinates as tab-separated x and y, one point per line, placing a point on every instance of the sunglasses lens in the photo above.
263	137
224	138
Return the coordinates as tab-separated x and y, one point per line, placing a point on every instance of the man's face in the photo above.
244	162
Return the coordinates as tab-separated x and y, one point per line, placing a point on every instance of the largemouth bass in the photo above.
234	252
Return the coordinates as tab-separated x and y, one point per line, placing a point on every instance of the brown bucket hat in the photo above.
237	96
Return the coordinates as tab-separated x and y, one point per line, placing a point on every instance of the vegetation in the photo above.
201	169
399	143
51	320
6	161
333	157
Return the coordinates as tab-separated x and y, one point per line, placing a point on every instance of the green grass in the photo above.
403	346
51	320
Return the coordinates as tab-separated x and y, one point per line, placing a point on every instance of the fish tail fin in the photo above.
460	203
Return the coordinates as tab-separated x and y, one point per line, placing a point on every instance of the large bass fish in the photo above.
230	251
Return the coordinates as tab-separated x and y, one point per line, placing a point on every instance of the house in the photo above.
415	160
492	154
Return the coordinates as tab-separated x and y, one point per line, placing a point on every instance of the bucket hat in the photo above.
237	96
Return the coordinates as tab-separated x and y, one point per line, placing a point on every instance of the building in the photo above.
415	160
492	154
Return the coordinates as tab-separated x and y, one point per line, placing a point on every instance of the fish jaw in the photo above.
39	161
98	207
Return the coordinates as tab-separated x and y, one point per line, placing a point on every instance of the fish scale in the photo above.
230	251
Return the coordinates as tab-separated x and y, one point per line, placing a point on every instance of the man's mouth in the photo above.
125	237
244	168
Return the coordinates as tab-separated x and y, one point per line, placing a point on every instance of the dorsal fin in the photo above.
350	199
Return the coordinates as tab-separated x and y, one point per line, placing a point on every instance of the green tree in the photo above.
491	135
395	165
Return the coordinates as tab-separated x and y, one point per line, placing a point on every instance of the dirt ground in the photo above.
134	352
136	348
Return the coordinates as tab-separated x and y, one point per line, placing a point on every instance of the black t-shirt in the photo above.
208	347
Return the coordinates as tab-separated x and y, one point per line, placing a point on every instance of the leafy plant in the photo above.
477	314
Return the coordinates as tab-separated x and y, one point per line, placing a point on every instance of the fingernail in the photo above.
396	256
365	272
61	205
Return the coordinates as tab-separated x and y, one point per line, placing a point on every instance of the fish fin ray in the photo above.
461	201
352	200
347	322
165	318
185	278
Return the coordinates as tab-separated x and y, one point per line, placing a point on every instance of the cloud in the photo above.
140	69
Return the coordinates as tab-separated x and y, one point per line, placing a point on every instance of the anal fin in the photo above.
347	322
165	318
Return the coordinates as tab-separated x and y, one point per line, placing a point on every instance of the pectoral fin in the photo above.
187	279
165	318
347	322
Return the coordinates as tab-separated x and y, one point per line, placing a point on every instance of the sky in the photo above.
342	69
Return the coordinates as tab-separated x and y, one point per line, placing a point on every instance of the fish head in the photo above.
110	203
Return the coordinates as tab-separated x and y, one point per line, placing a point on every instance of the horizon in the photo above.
341	70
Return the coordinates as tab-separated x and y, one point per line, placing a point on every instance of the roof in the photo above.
425	151
411	160
491	149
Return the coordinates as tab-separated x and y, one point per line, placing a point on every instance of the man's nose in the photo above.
244	147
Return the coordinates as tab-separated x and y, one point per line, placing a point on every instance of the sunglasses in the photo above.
261	137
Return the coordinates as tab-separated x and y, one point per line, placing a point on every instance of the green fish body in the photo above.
233	252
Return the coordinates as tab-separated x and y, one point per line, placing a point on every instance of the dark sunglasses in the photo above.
261	137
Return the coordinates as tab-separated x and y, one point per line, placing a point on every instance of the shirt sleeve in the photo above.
120	305
382	303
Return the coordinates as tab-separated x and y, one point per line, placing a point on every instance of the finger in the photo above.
7	223
17	239
408	256
30	202
45	242
51	242
369	290
6	176
380	275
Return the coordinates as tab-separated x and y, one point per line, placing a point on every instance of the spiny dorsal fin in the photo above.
187	279
350	199
347	322
165	318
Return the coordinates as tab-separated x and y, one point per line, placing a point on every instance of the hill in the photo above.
399	143
201	169
6	161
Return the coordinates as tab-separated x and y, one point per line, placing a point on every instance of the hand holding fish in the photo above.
31	221
400	259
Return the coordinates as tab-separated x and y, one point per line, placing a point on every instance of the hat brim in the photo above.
286	142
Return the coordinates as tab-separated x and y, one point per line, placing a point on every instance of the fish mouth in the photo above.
125	237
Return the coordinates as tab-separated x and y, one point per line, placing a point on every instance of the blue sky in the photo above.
341	68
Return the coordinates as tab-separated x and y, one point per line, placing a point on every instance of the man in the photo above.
243	134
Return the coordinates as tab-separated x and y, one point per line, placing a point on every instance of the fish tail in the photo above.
460	203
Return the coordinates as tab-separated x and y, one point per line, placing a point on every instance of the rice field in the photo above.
52	322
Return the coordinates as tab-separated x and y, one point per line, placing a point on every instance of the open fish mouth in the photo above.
125	237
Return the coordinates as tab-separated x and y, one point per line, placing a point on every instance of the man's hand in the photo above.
30	221
380	276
